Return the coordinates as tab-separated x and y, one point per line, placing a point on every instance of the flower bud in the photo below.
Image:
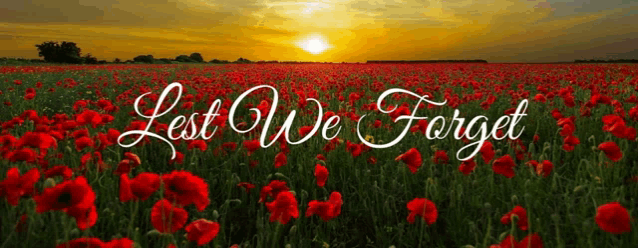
49	183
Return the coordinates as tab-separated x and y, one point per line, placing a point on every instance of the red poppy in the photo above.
280	159
15	186
321	157
184	188
467	166
84	217
283	207
321	174
613	218
25	154
424	208
167	218
305	130
179	158
504	166
507	242
487	152
412	158
611	150
120	243
272	189
544	168
83	142
139	188
69	194
246	186
202	231
251	146
37	140
521	213
531	241
440	157
197	144
82	243
327	210
354	149
570	142
59	170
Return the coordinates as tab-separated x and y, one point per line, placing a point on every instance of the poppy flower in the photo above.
83	242
531	241
25	154
59	170
184	188
139	188
521	213
440	157
424	208
504	166
467	166
283	208
412	158
37	140
272	189
611	150
69	194
202	231
487	152
544	168
327	210
613	218
251	146
179	158
570	142
120	243
305	130
321	157
15	186
167	218
83	142
84	217
507	242
354	149
246	186
321	174
280	159
197	144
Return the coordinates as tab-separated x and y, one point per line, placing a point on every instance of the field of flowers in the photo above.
569	180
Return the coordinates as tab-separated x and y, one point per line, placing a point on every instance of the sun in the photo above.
314	45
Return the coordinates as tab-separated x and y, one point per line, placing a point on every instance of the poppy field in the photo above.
570	178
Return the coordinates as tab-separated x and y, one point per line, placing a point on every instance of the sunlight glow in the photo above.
314	45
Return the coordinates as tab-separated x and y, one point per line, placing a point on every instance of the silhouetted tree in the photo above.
183	58
66	52
88	59
144	59
242	60
117	60
197	57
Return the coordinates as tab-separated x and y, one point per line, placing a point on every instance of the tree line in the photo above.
69	53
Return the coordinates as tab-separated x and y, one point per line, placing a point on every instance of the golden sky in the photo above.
353	30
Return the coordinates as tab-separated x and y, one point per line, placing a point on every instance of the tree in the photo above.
183	58
197	57
88	59
144	59
243	60
117	61
66	52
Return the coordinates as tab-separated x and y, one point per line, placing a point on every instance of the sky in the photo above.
345	30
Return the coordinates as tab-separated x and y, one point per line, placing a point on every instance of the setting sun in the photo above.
314	45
